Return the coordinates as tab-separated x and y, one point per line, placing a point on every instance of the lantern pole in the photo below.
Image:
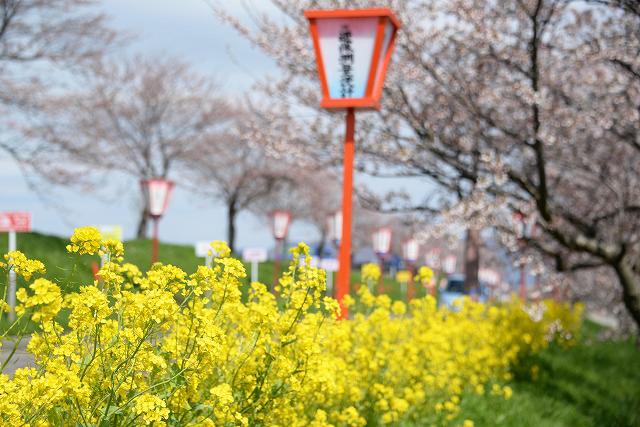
154	244
12	277
276	263
381	278
410	286
344	272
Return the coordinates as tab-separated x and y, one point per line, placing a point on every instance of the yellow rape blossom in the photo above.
85	240
114	249
152	408
370	272
46	300
23	266
425	275
166	347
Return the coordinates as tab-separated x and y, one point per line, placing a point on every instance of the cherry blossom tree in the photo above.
238	172
40	42
140	117
526	106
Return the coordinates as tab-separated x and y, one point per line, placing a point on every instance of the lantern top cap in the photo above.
353	13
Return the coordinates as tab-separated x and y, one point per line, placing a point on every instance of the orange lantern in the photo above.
353	49
280	228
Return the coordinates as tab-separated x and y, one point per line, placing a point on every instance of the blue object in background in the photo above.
455	290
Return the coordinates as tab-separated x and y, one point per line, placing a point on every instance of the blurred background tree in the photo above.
240	173
141	117
41	41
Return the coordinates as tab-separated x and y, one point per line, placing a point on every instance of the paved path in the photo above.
20	358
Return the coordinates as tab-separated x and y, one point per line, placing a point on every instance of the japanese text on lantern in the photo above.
346	62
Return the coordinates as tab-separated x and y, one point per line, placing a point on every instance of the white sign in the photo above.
111	232
490	276
254	255
15	221
330	264
203	248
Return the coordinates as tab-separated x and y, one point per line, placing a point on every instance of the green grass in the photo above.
592	384
70	271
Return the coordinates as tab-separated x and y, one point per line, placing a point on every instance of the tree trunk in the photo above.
322	244
629	277
232	212
141	233
472	260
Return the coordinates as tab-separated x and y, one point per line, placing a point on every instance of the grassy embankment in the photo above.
593	384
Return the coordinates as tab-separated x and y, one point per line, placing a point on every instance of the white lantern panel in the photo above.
450	264
346	46
335	226
280	224
158	194
382	241
411	250
386	41
432	259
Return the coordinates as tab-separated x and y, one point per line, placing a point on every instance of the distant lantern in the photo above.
449	264
158	192
432	258
353	49
410	250
334	223
382	240
281	221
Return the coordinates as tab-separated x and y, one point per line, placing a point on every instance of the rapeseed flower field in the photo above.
166	347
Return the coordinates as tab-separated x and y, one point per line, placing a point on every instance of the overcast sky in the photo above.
186	29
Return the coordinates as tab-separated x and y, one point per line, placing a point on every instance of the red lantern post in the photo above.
280	228
353	50
158	192
410	253
433	261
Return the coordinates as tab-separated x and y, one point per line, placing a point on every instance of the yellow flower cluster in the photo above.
85	240
403	276
425	275
370	272
169	348
46	300
23	266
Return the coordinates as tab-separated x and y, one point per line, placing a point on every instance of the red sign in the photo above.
15	221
